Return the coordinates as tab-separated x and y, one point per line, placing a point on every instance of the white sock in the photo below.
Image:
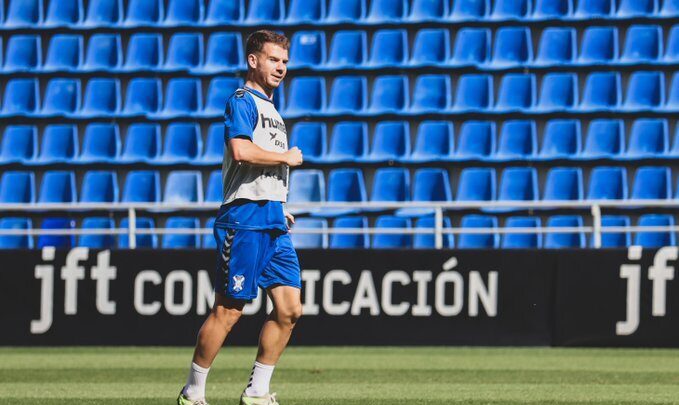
195	384
259	380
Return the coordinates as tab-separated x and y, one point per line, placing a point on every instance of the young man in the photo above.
251	228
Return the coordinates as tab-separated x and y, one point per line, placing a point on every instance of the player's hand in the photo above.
293	157
290	218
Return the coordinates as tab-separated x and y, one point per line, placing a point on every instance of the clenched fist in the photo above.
293	157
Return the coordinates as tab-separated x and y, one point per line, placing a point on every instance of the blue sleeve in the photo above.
240	116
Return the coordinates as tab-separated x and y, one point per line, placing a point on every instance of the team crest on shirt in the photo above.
240	93
238	283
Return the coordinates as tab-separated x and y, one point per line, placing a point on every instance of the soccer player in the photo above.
251	228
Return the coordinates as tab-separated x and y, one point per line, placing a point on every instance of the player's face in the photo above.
271	66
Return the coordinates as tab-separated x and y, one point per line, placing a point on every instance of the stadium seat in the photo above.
512	45
599	45
307	49
348	142
183	143
429	185
605	139
552	9
562	139
179	240
517	92
607	183
477	140
594	8
348	49
428	10
602	92
510	9
184	12
310	240
101	143
565	240
652	183
102	98
62	97
142	143
392	240
382	11
185	51
428	240
432	47
306	96
142	186
183	187
350	240
477	184
265	11
16	241
391	141
349	94
474	92
104	52
23	53
65	52
224	52
432	94
558	46
306	185
97	241
99	186
672	49
389	48
214	189
57	241
22	97
390	184
209	239
218	91
144	52
142	240
563	184
615	239
17	187
643	44
143	96
144	12
435	142
670	8
214	146
478	240
559	92
310	137
57	187
19	144
673	98
102	13
182	97
390	94
637	8
470	10
519	184
306	11
472	46
655	239
344	185
23	13
522	240
59	144
649	138
346	10
645	91
518	140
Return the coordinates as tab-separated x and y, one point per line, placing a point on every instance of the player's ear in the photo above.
252	61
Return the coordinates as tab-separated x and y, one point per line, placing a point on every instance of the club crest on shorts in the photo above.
238	283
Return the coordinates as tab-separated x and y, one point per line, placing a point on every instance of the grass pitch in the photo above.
348	376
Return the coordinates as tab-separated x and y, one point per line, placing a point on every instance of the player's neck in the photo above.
256	86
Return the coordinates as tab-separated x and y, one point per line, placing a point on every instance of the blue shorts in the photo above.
251	259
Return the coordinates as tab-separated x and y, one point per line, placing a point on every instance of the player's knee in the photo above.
227	317
290	314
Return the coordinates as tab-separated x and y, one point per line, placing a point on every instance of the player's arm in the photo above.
244	150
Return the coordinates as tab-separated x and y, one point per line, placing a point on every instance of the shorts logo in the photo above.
238	283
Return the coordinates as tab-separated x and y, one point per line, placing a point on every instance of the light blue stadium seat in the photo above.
599	45
214	145
605	139
519	184
645	91
511	9
57	187
307	49
594	8
224	52
142	143
348	49
670	8
562	139
344	185
428	240
517	92
522	240
144	12
652	183
306	185
559	92
178	240
434	142
183	186
564	183
265	11
99	186
64	13
23	53
643	44
552	9
353	240
349	94
101	143
382	11
432	94
512	46
602	91
565	240
142	186
477	184
478	241
144	52
143	96
59	144
390	94
184	12
17	187
62	97
22	97
672	48
607	183
102	98
637	8
104	52
429	185
673	98
428	10
306	11
390	184
615	239
218	91
97	241
472	46
143	241
185	51
183	96
649	138
24	13
558	46
477	140
57	241
306	96
518	140
310	138
214	190
346	10
348	142
389	48
432	47
209	239
474	92
103	13
310	240
470	10
655	239
392	240
16	241
183	143
19	144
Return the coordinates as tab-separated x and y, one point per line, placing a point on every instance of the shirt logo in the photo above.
238	283
272	135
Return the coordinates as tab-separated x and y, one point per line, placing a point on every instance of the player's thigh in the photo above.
287	302
239	262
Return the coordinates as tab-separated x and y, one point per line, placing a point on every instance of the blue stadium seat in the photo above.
605	139
348	142
184	12
344	185
185	51
64	13
649	138
435	142
19	144
99	186
144	12
389	48
143	241
104	52
143	96
477	140
673	98
182	97
428	10
558	46
22	97
518	140
17	187
307	49
309	137
607	183
472	46
552	9
23	13
654	239
602	91
103	13
562	139
428	240
102	98
563	183
179	240
594	8
474	92
142	143
478	240
428	185
517	92
432	47
652	183
559	92
224	52
101	143
306	11
645	91
214	190
390	94
97	241
214	145
382	11
306	96
57	187
565	240
183	143
615	239
57	241
432	94
142	186
519	184
637	8
643	44
477	184
310	240
59	144
670	8
219	90
183	187
599	45
522	240
512	46
62	97
348	49
511	9
350	240
470	10
349	94
209	239
24	52
265	11
390	184
16	241
306	185
144	52
392	240
65	53
346	10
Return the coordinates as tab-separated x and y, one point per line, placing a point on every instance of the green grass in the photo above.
348	376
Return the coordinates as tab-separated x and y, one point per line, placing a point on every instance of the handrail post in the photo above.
596	218
438	228
132	227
